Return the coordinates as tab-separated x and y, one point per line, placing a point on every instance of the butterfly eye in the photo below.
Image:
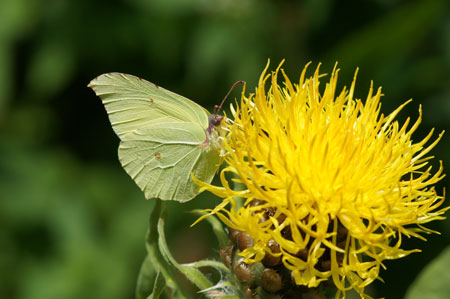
217	119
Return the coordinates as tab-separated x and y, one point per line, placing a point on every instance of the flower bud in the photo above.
269	259
244	241
271	281
243	271
233	234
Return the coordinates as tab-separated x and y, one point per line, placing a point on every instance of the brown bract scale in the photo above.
243	271
250	294
226	254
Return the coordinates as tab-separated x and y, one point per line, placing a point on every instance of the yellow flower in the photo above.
328	177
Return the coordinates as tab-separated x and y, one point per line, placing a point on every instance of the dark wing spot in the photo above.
158	155
151	100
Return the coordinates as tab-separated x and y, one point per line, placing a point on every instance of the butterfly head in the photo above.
214	121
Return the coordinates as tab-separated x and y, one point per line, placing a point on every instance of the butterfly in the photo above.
163	136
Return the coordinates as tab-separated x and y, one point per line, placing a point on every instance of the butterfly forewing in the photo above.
133	103
170	132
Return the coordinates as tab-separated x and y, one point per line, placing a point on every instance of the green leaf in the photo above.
217	291
208	263
158	287
159	261
146	275
217	227
190	272
434	281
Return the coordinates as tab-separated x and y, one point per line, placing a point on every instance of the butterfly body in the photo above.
164	136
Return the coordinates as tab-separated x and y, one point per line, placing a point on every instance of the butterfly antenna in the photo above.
217	108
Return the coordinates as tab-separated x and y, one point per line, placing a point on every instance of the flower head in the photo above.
327	177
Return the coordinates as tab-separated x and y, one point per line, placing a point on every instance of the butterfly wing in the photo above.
160	160
133	103
162	136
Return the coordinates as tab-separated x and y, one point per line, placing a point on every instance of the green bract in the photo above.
164	136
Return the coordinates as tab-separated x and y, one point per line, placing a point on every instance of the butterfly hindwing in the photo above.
160	159
161	171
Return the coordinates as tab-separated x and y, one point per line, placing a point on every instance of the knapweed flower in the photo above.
330	185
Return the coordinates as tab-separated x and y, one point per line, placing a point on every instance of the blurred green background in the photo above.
72	223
